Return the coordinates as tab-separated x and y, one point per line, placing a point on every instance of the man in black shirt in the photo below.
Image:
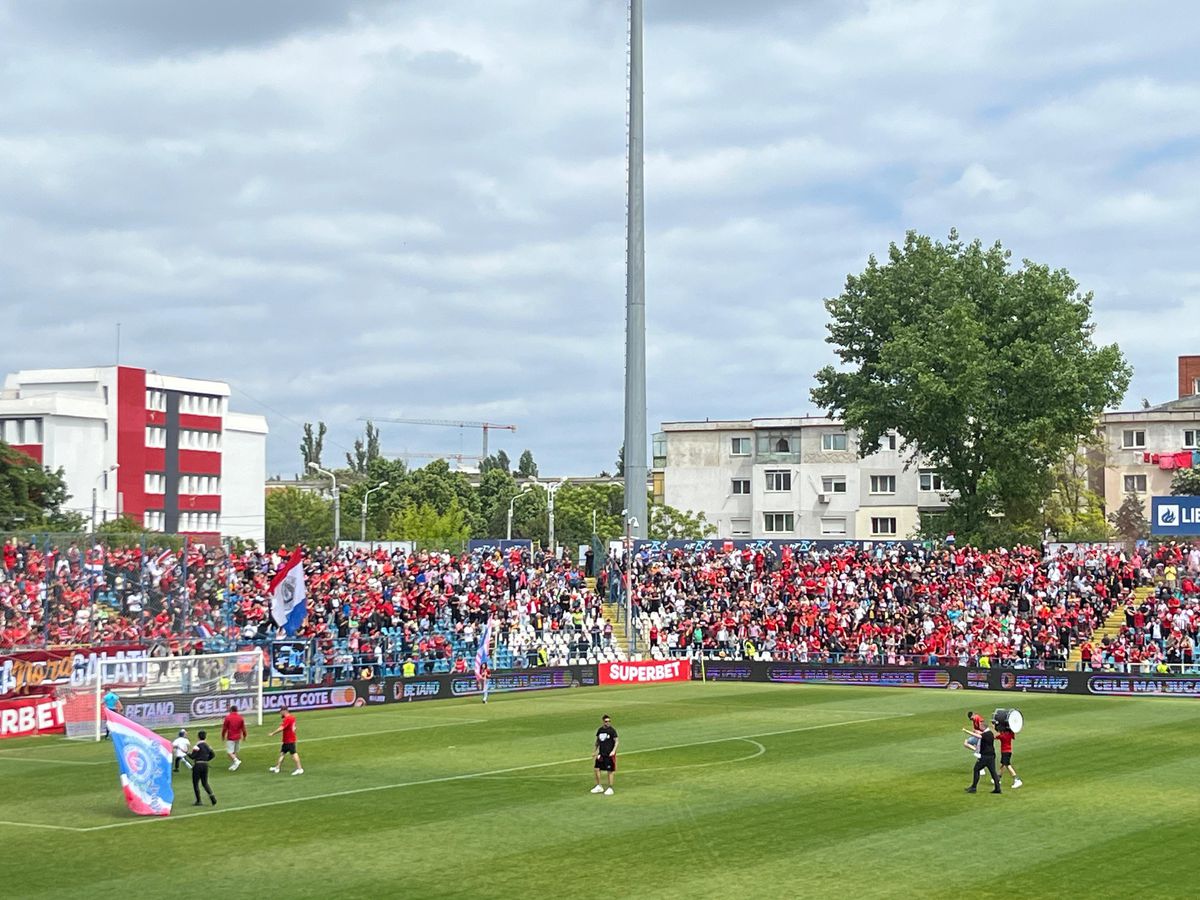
606	755
987	760
202	755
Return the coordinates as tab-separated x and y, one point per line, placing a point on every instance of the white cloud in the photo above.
427	203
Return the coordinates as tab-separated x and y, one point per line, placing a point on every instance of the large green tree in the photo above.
1129	521
988	371
430	528
312	445
366	450
1073	512
32	496
296	517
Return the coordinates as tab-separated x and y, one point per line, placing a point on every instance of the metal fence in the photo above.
87	588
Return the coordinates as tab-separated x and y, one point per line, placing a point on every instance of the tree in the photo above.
32	496
121	525
311	446
669	523
1072	511
496	488
526	467
366	450
1186	483
430	529
498	460
1129	520
296	517
989	373
621	462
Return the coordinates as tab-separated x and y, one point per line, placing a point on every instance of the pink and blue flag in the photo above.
144	759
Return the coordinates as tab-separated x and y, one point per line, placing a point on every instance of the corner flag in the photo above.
288	604
144	759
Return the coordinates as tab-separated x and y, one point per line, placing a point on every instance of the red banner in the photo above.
31	715
645	672
37	671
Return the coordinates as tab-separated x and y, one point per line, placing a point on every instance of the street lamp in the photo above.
551	488
102	475
511	504
369	492
337	504
630	524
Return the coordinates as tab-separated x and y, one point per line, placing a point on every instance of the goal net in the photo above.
168	692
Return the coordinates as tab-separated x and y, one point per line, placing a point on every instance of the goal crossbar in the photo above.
169	691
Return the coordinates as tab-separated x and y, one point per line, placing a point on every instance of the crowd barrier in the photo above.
956	678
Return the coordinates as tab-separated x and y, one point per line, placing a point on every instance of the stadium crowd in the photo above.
1019	607
380	609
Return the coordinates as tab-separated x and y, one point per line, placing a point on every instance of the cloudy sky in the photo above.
349	208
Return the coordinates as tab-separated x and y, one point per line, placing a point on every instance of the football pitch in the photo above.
722	790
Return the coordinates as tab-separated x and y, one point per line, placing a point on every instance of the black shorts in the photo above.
287	748
1006	759
606	763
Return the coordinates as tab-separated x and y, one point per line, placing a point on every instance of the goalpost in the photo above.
168	691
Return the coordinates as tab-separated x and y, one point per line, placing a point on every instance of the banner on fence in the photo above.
1175	516
28	716
445	687
36	671
645	672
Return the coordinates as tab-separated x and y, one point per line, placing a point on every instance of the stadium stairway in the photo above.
620	633
1111	627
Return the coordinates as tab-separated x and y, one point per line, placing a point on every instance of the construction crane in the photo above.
485	426
458	458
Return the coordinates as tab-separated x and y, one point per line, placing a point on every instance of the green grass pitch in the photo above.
723	790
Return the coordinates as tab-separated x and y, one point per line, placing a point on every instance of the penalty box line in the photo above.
464	777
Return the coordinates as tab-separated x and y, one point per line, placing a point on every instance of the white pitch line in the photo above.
471	775
37	825
342	737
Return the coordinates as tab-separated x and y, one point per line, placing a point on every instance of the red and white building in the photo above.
163	450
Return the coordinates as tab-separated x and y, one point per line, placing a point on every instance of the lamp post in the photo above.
337	503
630	524
102	475
511	504
369	492
551	488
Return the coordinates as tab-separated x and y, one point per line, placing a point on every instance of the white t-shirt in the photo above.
182	746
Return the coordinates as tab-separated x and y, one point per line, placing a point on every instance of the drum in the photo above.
1009	720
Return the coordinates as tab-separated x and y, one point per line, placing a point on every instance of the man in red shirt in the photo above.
972	743
1005	737
287	725
233	732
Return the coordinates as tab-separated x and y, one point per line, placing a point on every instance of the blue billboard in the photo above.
1178	516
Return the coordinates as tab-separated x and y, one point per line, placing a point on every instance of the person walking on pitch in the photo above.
1005	737
287	727
233	732
987	760
202	755
182	746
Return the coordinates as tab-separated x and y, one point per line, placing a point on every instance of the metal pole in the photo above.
508	531
550	524
635	289
366	496
629	581
337	503
93	509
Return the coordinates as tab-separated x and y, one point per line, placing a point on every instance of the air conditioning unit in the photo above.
824	498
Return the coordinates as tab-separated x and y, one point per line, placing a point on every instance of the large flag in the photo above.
288	604
161	565
482	657
144	759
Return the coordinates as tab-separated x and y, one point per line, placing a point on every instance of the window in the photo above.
776	522
779	446
883	527
1135	484
779	480
156	437
1133	439
658	449
931	481
1196	386
833	527
883	484
740	446
1191	438
834	441
888	441
741	527
833	484
741	485
156	483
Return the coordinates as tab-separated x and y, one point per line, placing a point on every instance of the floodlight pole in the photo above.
635	290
